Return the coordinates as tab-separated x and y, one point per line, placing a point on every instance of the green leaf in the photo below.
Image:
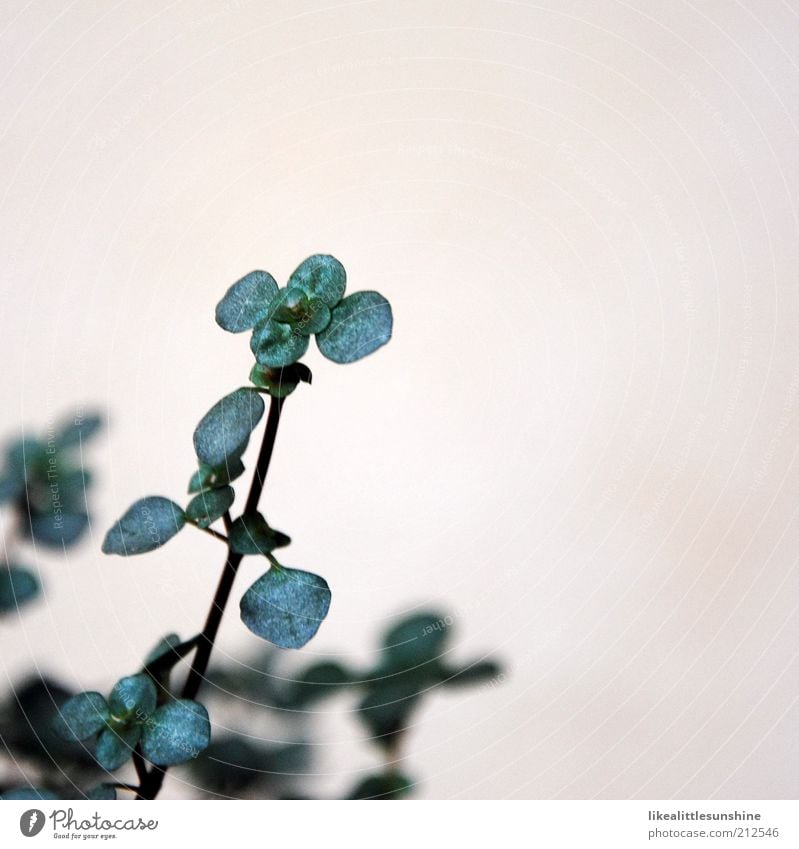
82	716
416	640
318	681
274	381
163	647
474	673
386	786
133	697
305	315
18	586
286	606
321	276
222	435
115	745
276	344
178	732
246	302
387	707
102	793
26	793
359	325
204	509
79	430
208	477
251	534
148	524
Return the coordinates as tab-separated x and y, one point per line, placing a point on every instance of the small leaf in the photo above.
102	793
18	586
286	606
82	716
387	707
276	344
148	524
222	435
208	477
252	535
79	430
483	670
359	325
246	302
321	276
115	745
177	732
414	641
318	681
204	509
163	647
133	697
275	381
388	786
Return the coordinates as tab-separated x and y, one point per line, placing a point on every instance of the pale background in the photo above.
581	440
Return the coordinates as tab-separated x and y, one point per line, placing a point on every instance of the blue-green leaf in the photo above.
321	276
208	477
115	745
26	793
79	429
222	435
251	534
359	325
286	606
56	529
18	586
276	344
246	302
148	524
133	697
178	732
81	716
102	793
204	509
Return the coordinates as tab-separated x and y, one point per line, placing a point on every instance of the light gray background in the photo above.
582	439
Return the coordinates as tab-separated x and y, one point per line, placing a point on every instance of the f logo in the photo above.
31	822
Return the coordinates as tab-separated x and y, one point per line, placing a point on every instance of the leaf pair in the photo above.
170	734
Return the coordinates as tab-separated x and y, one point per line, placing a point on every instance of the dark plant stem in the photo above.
151	783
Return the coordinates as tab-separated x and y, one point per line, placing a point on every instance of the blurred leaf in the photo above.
250	534
25	793
82	716
148	524
162	648
286	606
18	586
177	732
102	792
387	707
115	745
475	673
318	681
359	325
321	276
208	477
79	429
210	505
56	529
414	641
276	344
133	696
383	786
246	302
222	435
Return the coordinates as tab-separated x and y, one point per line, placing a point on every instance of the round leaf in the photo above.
286	606
178	732
276	344
321	276
359	325
416	640
133	697
81	716
252	535
17	587
148	524
56	529
208	477
222	435
204	509
246	302
115	746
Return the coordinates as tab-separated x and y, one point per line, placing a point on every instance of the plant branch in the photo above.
151	784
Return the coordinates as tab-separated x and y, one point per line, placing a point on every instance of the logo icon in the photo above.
31	822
